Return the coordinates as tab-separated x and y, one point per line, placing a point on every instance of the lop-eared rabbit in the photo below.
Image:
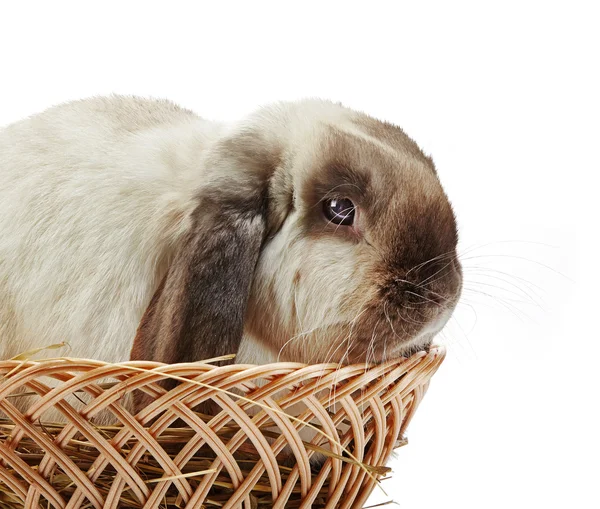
133	228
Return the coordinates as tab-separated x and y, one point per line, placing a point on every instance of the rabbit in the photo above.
133	228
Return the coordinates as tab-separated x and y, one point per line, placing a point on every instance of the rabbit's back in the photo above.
94	195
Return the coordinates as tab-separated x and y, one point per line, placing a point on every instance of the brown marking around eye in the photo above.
380	182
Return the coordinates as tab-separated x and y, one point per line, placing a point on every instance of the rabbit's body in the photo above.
132	228
94	197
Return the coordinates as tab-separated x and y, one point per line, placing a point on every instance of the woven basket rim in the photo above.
434	349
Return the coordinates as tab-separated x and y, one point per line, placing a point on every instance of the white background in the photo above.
504	97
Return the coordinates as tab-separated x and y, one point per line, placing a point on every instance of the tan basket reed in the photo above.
233	459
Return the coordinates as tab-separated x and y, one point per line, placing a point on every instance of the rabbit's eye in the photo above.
339	211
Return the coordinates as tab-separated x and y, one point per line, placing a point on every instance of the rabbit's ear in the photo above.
199	308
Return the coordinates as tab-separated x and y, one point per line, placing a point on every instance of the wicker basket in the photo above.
254	453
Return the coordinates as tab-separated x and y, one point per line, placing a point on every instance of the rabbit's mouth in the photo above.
376	336
400	320
395	337
424	339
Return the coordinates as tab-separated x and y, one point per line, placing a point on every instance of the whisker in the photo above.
431	260
515	257
489	285
421	296
487	244
478	269
513	309
464	333
436	273
388	319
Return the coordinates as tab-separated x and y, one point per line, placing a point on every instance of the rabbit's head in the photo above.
320	232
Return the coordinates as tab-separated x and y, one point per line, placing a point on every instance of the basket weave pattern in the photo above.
250	454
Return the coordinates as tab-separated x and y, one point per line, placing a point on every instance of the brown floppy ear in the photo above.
199	308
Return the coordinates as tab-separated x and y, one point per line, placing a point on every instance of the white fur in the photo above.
94	195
